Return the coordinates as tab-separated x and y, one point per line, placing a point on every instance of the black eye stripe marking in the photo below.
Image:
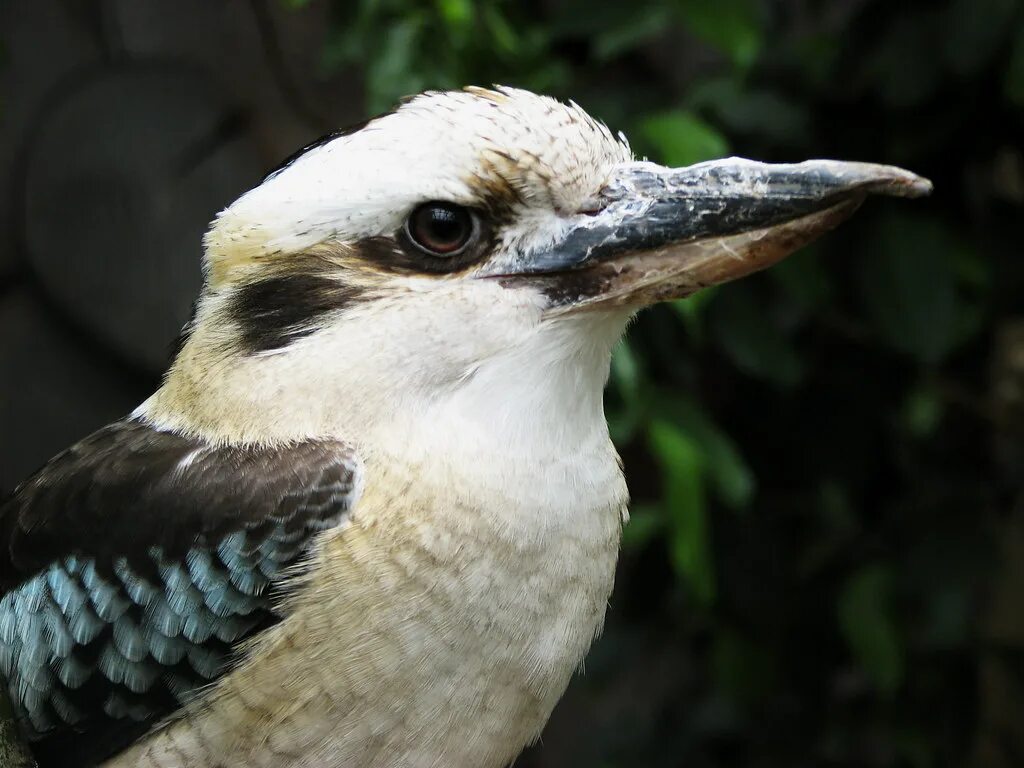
400	254
414	258
274	311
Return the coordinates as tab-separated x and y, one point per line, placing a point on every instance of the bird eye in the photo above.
440	229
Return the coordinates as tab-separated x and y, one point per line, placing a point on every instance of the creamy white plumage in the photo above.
479	558
384	438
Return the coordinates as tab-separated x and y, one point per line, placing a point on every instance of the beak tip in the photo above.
921	187
907	184
889	180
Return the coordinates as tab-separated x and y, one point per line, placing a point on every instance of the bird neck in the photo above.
540	397
540	400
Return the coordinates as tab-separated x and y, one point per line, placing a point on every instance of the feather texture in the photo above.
135	561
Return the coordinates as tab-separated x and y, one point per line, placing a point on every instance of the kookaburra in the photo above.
371	517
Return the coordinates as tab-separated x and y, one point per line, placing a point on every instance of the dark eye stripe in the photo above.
274	311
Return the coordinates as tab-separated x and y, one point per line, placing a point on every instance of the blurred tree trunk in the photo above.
1000	740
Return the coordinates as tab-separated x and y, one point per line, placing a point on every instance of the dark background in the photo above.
826	561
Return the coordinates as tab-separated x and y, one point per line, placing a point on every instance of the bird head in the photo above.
470	250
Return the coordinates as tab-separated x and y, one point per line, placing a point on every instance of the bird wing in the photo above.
135	561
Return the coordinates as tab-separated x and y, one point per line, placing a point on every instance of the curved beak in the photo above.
663	233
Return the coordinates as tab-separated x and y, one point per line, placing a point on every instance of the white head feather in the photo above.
437	146
432	358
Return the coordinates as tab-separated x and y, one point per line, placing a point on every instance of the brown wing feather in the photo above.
133	562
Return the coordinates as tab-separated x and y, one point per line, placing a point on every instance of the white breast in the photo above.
433	631
442	625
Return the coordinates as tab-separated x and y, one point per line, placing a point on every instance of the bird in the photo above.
372	514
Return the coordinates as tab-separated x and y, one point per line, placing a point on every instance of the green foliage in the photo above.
756	345
730	477
1015	71
731	26
746	670
922	412
866	619
683	471
406	47
681	138
911	290
809	450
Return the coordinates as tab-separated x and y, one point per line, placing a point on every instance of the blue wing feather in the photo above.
133	575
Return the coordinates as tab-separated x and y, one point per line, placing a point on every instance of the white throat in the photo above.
484	367
543	398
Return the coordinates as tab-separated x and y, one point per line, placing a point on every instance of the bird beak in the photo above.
663	233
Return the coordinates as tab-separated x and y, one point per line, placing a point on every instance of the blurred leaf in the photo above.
626	376
689	536
457	14
836	525
751	341
405	47
503	33
972	270
645	522
692	310
682	138
390	75
803	279
922	412
817	54
731	26
909	288
626	371
948	621
743	668
915	749
752	112
587	19
343	46
903	69
1014	85
637	28
731	476
866	622
974	32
